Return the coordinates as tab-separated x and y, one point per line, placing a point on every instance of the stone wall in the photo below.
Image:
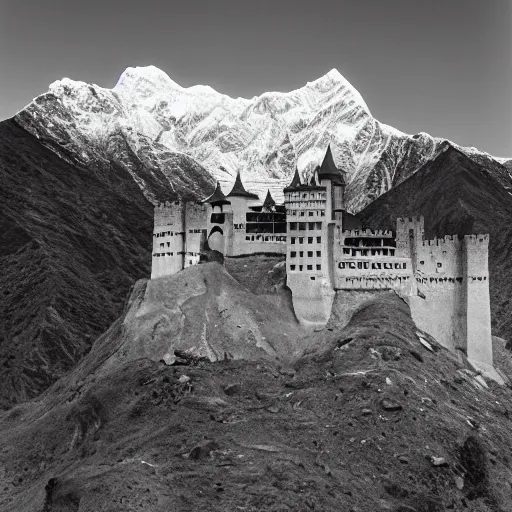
168	239
478	314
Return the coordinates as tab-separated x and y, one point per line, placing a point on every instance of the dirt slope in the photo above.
370	420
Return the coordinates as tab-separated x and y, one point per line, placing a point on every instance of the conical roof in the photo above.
217	197
269	201
239	189
328	169
296	179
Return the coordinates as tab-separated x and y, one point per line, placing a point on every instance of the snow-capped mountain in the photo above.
149	119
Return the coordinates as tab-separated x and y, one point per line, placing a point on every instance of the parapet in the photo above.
477	239
410	220
448	240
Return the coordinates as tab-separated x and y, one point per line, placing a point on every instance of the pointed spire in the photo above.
328	169
239	189
296	179
217	197
269	202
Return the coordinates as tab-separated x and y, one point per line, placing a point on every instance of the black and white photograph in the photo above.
256	256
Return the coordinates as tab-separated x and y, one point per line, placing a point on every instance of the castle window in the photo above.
168	244
301	239
388	266
311	225
439	265
248	238
293	254
341	264
292	240
422	262
391	252
397	265
293	226
302	226
310	239
301	254
292	267
346	251
162	246
376	266
309	267
318	239
304	196
312	278
352	265
319	267
302	214
318	254
318	225
310	214
310	254
404	266
301	267
359	264
366	264
322	213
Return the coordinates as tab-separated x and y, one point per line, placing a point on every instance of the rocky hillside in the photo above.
368	420
457	195
73	239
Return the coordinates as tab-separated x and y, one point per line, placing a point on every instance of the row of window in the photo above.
264	238
361	265
300	239
163	233
300	268
369	252
195	230
303	226
305	195
293	254
310	213
158	254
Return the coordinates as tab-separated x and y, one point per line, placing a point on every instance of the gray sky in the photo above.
439	66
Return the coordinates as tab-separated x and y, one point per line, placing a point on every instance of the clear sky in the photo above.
439	66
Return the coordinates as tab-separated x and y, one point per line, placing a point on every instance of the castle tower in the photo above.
240	201
478	310
218	208
410	233
168	239
313	210
333	180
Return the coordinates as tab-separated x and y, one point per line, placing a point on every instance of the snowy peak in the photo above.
264	138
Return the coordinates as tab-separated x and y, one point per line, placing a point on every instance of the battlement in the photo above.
477	239
448	240
367	233
410	220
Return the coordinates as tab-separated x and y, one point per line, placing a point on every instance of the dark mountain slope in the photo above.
371	421
72	242
457	195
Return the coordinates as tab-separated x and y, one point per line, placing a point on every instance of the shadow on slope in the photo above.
456	195
369	420
72	242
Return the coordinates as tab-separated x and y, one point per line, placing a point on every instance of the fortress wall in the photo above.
439	309
440	256
243	246
479	341
168	213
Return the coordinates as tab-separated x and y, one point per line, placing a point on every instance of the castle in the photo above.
445	281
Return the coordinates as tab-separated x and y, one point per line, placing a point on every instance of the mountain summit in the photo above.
150	119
